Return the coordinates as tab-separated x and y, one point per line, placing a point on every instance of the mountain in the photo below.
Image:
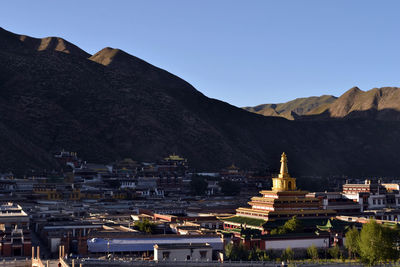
113	105
292	109
375	104
15	42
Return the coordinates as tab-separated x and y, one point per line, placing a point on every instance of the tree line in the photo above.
372	244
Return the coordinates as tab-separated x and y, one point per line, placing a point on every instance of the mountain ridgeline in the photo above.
295	108
375	104
112	105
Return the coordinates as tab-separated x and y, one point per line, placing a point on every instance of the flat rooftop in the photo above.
182	246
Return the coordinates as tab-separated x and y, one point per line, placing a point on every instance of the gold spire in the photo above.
284	169
284	182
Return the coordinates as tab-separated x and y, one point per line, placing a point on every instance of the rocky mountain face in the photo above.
295	108
378	103
113	105
375	104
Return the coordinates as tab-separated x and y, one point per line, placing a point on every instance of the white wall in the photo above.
296	243
181	254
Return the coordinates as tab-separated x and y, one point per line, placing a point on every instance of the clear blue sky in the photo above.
241	52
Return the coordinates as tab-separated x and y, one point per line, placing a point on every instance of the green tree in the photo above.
389	243
198	185
334	252
252	255
262	255
236	252
293	225
274	231
145	226
258	255
312	252
229	251
229	188
287	254
377	243
352	242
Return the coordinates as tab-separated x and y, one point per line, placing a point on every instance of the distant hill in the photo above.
292	109
15	42
112	105
377	104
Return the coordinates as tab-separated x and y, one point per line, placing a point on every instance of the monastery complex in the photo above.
282	202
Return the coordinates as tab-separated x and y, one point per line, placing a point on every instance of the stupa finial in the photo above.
284	168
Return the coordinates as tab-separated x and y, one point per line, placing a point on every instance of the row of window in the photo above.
383	201
203	255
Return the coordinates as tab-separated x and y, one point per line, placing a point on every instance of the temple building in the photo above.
279	204
15	236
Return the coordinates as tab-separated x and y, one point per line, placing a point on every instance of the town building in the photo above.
15	237
101	243
183	252
373	195
297	241
279	204
68	158
338	202
173	163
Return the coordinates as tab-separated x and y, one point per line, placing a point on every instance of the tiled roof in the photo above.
245	220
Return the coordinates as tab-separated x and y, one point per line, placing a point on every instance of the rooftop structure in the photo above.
183	252
281	203
11	214
140	243
15	237
338	202
373	195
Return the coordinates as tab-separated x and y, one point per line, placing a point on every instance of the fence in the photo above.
15	263
129	262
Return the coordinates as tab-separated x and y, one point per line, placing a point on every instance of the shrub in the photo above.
312	252
287	254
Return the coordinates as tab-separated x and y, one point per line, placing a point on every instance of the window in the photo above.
188	257
203	254
165	255
374	201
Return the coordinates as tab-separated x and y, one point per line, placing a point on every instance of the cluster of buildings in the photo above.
324	216
147	211
123	180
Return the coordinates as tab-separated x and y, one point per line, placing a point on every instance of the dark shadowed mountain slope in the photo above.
114	105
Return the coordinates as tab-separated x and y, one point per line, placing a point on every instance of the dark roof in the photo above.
307	223
336	225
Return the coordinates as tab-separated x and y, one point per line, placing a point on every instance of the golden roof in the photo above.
233	167
174	157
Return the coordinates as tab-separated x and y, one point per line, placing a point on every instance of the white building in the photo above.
128	184
134	243
296	242
373	195
183	252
